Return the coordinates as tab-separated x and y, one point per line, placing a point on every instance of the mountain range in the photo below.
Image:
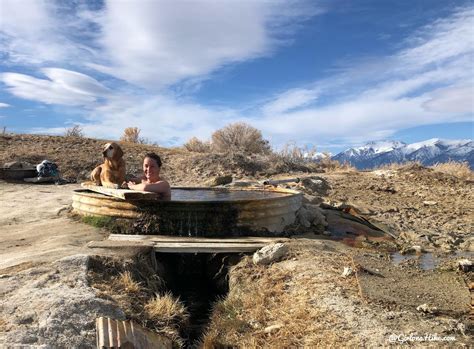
428	152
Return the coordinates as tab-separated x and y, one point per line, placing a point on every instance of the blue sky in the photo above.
333	74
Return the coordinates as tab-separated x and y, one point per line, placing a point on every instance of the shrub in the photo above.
197	146
74	131
132	135
239	137
458	169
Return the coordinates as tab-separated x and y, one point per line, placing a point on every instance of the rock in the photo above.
270	253
426	309
272	328
316	185
312	215
13	165
241	184
465	265
303	216
219	180
311	199
348	271
430	203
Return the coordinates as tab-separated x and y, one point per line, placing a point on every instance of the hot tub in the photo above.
200	211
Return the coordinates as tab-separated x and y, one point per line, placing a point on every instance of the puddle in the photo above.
427	260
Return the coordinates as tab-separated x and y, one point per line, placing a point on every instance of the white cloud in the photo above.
157	43
290	100
4	105
375	100
455	99
64	87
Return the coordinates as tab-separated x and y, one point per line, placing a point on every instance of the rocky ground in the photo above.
405	288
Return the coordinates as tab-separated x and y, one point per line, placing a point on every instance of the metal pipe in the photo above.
281	181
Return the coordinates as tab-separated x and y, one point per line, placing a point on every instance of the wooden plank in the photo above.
124	194
127	334
182	247
196	247
193	239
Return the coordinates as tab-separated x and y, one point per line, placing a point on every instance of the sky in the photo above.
326	73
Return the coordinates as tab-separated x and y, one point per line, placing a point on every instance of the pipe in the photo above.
281	181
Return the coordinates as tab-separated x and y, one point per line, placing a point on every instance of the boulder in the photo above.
270	253
316	185
219	180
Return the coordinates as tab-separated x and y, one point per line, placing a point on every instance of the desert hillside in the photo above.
336	285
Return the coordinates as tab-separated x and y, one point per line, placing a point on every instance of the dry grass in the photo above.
125	280
394	166
197	146
261	297
166	310
457	169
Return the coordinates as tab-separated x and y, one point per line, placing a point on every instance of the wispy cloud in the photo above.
155	45
63	87
4	105
427	81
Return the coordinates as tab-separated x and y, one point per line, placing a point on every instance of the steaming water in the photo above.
222	195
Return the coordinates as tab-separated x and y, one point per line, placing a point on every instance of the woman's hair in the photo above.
154	157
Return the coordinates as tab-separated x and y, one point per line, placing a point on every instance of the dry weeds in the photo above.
132	135
166	310
197	146
457	169
74	131
264	309
125	281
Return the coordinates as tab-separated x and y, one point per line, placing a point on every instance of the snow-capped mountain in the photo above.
428	152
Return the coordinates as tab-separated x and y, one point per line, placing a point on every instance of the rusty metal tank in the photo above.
200	211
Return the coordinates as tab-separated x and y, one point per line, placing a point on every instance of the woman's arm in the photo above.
161	187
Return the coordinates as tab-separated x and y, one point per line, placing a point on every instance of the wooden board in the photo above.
193	239
179	244
124	194
112	333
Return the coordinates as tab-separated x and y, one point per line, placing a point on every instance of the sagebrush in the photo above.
132	135
74	131
197	146
240	137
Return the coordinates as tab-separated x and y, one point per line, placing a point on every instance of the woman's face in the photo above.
151	170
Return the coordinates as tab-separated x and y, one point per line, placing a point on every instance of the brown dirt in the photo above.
303	295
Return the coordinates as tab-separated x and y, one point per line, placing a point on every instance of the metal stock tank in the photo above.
200	211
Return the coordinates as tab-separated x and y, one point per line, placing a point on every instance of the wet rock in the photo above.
219	180
348	271
304	217
311	199
312	215
465	265
270	253
426	309
316	185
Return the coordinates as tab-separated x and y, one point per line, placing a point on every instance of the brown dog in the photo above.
111	174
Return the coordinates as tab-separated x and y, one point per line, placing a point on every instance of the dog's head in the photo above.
112	151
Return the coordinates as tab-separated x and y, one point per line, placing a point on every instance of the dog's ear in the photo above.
118	152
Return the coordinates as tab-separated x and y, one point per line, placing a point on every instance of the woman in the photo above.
151	180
